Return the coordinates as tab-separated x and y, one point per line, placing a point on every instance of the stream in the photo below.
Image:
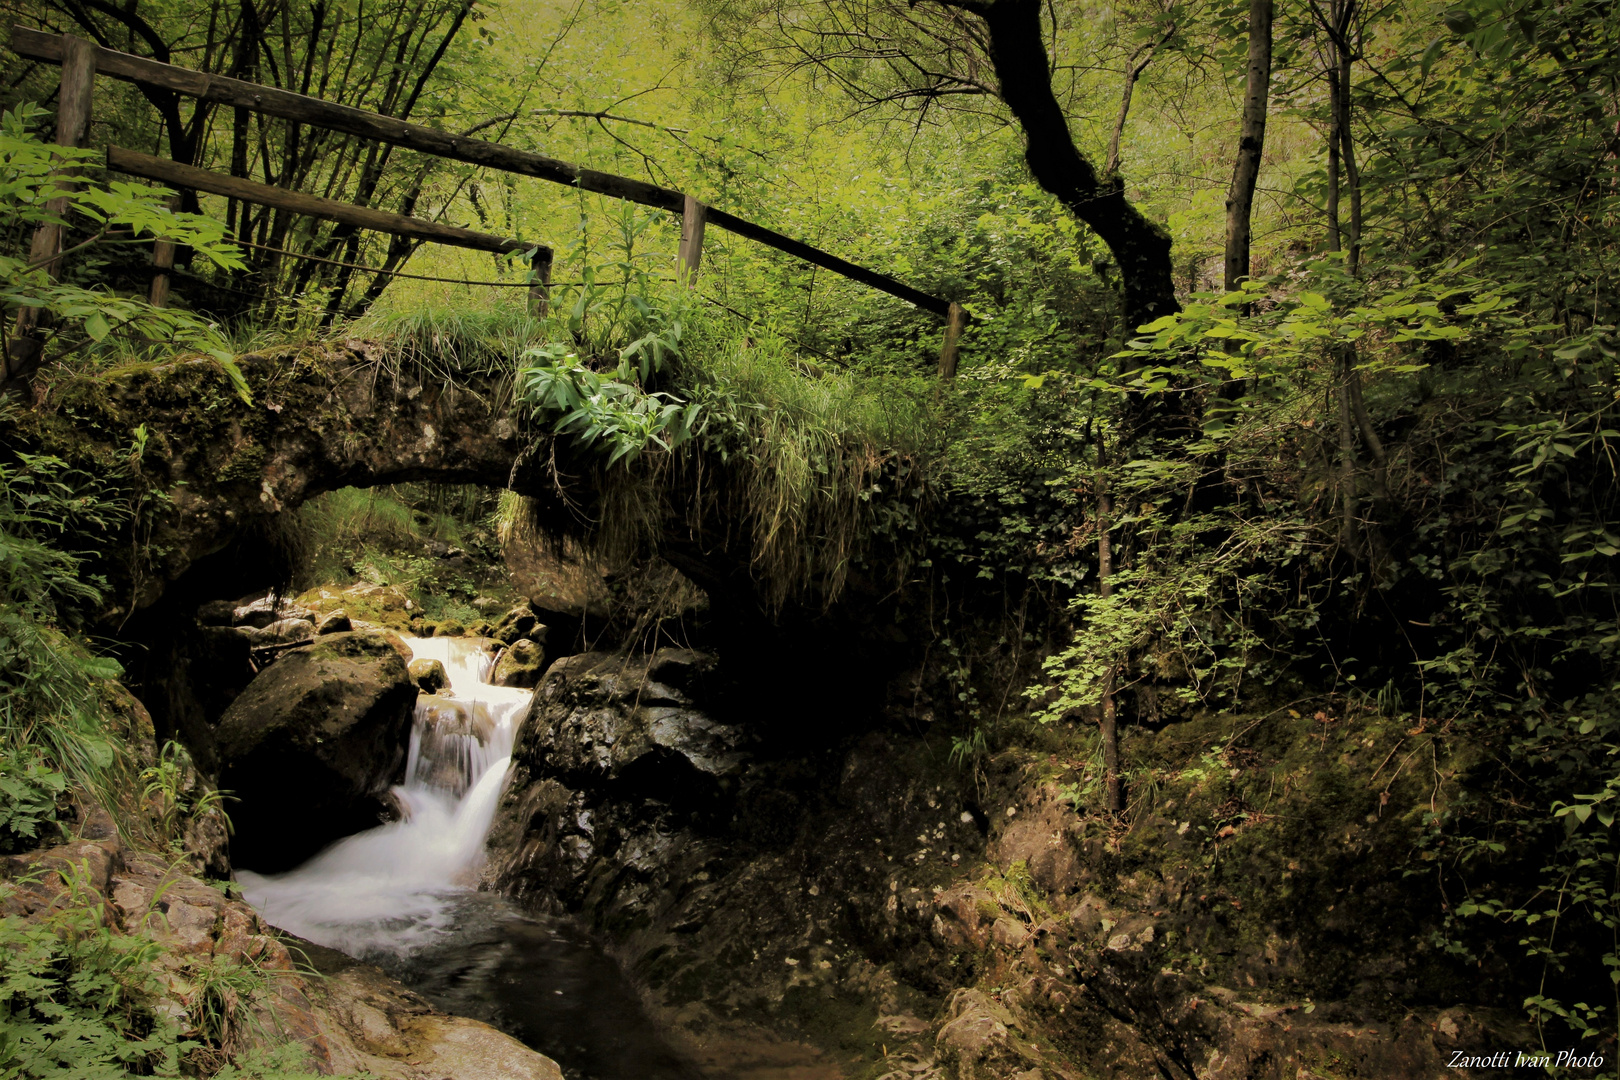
404	896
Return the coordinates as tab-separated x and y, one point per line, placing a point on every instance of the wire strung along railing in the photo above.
81	61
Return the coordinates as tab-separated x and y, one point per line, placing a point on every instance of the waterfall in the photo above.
390	889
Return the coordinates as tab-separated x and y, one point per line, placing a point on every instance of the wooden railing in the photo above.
92	59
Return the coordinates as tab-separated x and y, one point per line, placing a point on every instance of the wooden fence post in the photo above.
540	283
693	216
954	321
162	263
72	124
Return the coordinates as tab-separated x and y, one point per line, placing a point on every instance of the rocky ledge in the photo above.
349	1017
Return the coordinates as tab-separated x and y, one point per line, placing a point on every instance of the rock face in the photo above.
610	759
521	664
281	632
311	745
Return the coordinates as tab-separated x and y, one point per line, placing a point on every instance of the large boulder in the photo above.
311	746
610	758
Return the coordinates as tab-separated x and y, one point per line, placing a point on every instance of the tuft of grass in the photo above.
450	342
357	515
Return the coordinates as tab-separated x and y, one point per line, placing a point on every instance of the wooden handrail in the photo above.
50	48
363	217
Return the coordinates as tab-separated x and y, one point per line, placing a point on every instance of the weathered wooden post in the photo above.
693	216
72	125
162	263
955	319
540	282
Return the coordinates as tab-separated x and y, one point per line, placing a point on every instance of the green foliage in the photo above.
75	1001
615	416
176	792
91	319
29	791
48	705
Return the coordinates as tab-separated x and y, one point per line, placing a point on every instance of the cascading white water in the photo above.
390	889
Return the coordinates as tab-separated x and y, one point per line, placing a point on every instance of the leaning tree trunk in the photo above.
1141	247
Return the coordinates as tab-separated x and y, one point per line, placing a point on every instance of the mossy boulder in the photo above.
429	675
312	745
518	624
521	664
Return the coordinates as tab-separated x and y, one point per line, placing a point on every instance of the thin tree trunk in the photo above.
1113	794
1251	144
1132	73
1335	242
1347	149
1347	458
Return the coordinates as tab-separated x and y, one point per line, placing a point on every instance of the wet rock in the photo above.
379	1028
964	917
976	1036
428	675
1009	934
691	674
282	632
597	713
520	665
599	723
334	622
405	652
312	744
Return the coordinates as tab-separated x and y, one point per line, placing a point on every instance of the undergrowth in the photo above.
690	425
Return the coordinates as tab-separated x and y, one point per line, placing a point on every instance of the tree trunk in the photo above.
1251	143
1113	791
1347	146
1141	247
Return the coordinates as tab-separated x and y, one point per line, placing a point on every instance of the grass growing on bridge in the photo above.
791	467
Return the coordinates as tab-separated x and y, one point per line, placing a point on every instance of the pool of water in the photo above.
542	981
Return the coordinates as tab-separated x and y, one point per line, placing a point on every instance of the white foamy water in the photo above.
391	889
